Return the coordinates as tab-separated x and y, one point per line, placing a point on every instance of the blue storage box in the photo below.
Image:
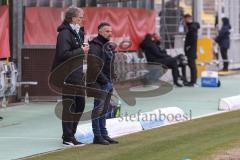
209	79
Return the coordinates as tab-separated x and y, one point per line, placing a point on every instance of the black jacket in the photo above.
223	38
152	51
68	45
190	46
100	48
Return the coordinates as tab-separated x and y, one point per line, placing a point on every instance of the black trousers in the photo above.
171	63
183	75
193	70
70	118
224	55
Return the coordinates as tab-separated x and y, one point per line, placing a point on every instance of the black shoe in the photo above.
224	70
72	142
110	140
189	84
1	118
100	140
178	84
185	82
76	143
68	143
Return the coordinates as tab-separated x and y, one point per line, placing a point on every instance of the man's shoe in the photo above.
224	70
189	84
178	84
100	140
72	142
185	82
76	143
68	143
110	140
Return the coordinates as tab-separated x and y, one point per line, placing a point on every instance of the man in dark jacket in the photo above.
190	47
223	40
69	45
155	54
102	50
180	59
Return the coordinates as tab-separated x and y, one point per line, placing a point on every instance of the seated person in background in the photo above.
181	59
156	55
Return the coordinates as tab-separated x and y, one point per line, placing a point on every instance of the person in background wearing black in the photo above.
70	44
190	47
101	48
223	40
1	118
181	59
155	54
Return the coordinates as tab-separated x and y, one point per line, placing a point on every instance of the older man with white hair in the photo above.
70	44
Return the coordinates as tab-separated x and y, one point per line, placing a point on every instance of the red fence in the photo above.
41	23
4	32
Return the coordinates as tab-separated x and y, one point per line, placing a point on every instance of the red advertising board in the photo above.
4	32
132	24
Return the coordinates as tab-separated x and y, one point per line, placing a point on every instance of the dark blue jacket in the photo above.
223	38
99	47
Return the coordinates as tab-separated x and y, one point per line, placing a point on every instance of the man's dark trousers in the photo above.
193	69
99	111
73	116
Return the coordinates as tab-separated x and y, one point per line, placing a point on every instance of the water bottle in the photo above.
4	102
118	112
26	100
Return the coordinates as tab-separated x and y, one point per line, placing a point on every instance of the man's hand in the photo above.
107	87
85	48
